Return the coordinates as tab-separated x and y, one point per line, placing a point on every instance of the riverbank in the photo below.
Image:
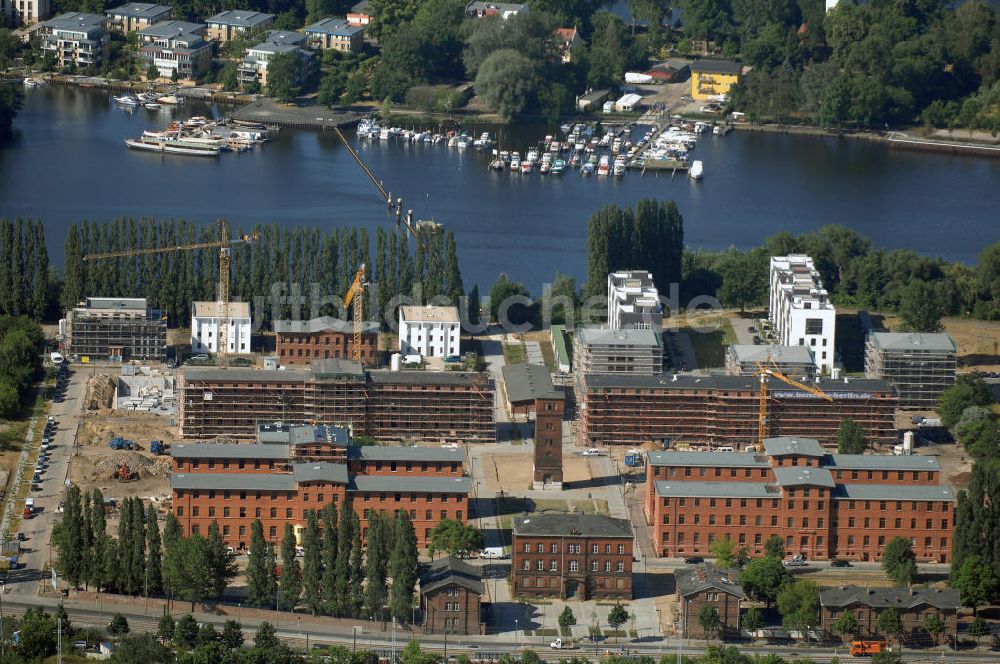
892	139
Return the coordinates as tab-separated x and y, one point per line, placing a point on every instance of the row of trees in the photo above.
20	363
24	268
318	263
337	576
11	99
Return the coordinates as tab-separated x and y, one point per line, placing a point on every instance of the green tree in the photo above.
763	578
850	437
774	547
978	628
502	301
403	564
618	616
291	573
455	538
38	636
377	564
207	634
69	538
266	636
727	554
118	625
968	390
934	626
846	625
743	281
709	620
921	307
261	582
165	627
154	553
312	563
753	620
505	82
975	582
798	604
890	623
899	561
152	73
186	631
232	635
330	557
220	560
566	618
228	77
140	648
289	75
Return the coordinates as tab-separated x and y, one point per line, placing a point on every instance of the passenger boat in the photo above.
463	142
604	166
384	134
171	147
697	170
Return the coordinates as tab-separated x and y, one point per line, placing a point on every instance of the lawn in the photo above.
515	353
710	346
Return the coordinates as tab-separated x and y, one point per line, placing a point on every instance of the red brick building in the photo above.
299	342
915	605
450	597
572	556
235	484
529	392
822	505
704	585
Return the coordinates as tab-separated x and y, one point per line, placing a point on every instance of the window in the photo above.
527	548
574	566
607	565
594	549
593	565
540	566
621	549
607	548
541	548
814	326
527	564
621	565
554	548
712	597
554	566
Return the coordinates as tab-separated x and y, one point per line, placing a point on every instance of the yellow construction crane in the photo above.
355	294
224	244
763	372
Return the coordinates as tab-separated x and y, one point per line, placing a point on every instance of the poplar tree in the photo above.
220	560
70	538
40	275
88	564
312	562
138	543
452	274
154	552
330	555
342	577
291	573
16	284
376	565
7	295
356	597
260	570
73	284
404	568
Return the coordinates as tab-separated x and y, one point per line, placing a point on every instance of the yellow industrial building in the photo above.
711	78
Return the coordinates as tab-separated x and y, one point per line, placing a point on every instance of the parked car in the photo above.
493	553
694	560
795	562
593	451
840	562
200	357
556	645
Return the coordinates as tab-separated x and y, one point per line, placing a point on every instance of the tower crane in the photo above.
224	244
355	295
763	372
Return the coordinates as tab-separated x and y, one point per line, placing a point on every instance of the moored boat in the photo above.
170	147
604	166
697	170
558	166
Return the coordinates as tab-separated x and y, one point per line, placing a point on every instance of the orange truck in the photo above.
867	648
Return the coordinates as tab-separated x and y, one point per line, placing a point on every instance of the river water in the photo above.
68	162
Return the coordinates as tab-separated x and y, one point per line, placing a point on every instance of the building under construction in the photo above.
920	366
387	405
723	410
117	329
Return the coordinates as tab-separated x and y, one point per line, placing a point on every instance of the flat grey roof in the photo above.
322	324
286	37
708	459
139	10
571	525
594	336
241	19
245	375
273	47
320	472
883	598
429	314
791	446
80	22
228	451
333	366
684	489
335	26
233	481
803	476
893	492
880	462
910	341
527	382
716	66
117	303
301	434
855	388
693	580
173	29
410	484
424	377
400	453
772	354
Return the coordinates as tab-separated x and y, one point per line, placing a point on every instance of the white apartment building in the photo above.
205	318
76	38
633	301
800	308
429	331
25	12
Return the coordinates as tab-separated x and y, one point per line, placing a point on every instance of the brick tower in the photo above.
548	441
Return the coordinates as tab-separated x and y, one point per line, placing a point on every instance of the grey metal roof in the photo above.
449	570
772	354
526	382
802	476
883	598
166	29
286	37
320	472
893	492
913	341
854	388
322	324
80	22
273	47
117	303
399	453
410	484
241	19
332	366
708	459
139	10
424	377
244	375
880	462
791	446
302	434
572	525
693	580
334	26
684	489
594	336
233	481
228	451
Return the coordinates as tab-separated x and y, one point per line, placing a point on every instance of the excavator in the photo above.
126	474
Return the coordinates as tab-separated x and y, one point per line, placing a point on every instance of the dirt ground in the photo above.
513	474
96	463
978	341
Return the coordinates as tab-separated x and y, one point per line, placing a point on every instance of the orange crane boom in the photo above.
763	372
355	295
224	244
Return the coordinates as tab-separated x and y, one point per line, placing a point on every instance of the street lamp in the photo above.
354	631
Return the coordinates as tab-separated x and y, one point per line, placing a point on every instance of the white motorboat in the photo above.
604	165
697	170
126	100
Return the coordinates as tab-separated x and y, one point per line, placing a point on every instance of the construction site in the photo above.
118	329
406	406
920	366
725	411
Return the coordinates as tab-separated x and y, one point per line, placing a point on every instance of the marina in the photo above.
530	226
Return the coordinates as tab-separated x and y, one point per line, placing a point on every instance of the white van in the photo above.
724	448
493	553
56	358
593	451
